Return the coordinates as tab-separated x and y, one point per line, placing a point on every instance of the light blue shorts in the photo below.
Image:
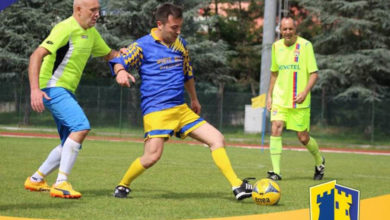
66	112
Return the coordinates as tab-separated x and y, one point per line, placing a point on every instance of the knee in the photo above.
150	159
217	142
80	135
277	129
84	132
304	138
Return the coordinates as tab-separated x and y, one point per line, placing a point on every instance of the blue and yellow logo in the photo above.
330	201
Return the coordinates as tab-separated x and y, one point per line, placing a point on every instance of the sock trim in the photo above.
63	173
41	174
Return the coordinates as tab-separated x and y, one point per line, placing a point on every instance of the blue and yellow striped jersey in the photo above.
163	69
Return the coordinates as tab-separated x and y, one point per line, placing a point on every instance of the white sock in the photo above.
36	177
69	154
52	161
62	177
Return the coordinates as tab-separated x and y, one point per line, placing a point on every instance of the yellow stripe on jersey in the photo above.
134	55
187	67
178	46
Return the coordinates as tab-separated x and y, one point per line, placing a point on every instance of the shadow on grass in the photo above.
98	192
149	193
193	195
310	178
143	193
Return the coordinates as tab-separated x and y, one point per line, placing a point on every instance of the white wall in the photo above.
253	122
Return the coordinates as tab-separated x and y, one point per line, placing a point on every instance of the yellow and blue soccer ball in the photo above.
266	192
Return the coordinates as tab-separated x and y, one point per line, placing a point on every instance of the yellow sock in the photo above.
223	163
313	148
275	149
135	169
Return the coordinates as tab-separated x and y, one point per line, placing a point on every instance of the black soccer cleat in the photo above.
121	191
319	171
273	176
245	190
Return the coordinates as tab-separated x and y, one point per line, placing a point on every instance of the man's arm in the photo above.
302	96
111	55
34	67
190	87
122	76
272	80
130	58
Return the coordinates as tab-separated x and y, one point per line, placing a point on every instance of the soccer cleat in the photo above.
273	176
244	191
121	191
319	171
36	186
64	190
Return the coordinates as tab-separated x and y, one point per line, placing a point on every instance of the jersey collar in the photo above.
292	45
156	38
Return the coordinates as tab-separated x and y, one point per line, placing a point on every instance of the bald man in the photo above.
294	73
54	72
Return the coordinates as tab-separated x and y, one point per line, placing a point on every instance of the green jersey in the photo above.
70	48
294	65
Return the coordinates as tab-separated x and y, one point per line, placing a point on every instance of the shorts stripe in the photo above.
179	121
184	130
159	133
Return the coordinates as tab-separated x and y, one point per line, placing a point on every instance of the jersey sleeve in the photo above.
274	65
130	60
187	66
311	59
58	37
100	48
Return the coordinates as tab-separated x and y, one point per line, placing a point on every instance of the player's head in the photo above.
169	18
86	12
288	28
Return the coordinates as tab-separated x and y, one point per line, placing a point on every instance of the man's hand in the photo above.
300	97
269	103
123	51
122	78
195	106
37	96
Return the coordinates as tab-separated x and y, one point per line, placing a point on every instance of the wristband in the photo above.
119	71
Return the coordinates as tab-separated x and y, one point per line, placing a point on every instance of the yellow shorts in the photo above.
297	119
179	120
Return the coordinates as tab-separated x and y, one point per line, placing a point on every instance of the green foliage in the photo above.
306	28
353	47
240	30
23	26
209	65
22	30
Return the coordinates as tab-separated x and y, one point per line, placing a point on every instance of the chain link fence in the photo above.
110	106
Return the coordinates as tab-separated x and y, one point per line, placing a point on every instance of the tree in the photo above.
241	31
353	51
21	31
353	48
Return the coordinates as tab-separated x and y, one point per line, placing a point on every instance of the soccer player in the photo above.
294	73
163	62
54	72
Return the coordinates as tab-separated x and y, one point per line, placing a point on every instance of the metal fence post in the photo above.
120	110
